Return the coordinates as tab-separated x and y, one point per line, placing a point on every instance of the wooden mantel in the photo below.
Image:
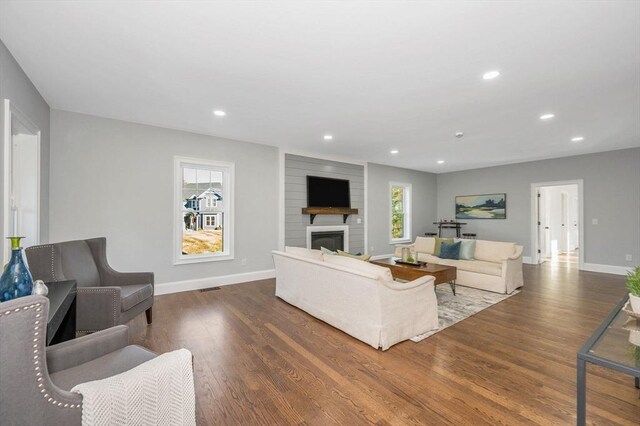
344	211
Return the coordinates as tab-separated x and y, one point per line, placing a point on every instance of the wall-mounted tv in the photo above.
328	192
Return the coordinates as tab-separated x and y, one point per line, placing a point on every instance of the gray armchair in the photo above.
36	381
105	297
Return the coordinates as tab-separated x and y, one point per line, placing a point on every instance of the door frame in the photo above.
535	258
9	111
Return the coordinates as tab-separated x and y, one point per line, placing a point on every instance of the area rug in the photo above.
467	302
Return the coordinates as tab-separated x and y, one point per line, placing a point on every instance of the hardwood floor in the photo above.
258	360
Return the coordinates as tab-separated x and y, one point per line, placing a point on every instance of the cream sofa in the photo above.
497	266
356	297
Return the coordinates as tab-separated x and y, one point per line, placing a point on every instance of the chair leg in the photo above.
149	313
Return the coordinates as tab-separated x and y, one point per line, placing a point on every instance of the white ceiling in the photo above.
376	75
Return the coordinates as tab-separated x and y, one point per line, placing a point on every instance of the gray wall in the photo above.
115	179
611	195
296	170
423	211
16	86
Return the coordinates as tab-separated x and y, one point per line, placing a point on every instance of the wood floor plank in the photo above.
259	360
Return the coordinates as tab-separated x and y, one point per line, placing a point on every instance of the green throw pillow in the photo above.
354	256
439	241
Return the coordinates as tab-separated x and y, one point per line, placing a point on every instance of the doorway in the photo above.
21	178
557	228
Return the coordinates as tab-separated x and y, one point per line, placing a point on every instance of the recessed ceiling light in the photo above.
440	161
394	151
577	139
328	137
546	116
490	75
219	113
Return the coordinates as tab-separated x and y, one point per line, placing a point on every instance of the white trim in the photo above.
534	216
327	228
366	208
606	269
406	210
201	283
9	110
381	256
528	260
227	207
281	198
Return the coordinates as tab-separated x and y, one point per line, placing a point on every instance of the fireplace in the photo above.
330	237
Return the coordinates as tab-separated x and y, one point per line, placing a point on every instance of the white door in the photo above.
22	179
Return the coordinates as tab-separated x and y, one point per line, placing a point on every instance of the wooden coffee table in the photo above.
442	273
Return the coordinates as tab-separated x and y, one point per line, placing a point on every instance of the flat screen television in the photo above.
328	192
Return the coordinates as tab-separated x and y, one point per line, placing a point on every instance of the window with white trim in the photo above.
202	237
400	212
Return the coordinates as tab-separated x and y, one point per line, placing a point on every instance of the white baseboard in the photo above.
381	256
528	260
606	269
199	284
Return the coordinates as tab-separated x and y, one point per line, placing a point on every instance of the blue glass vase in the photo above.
16	280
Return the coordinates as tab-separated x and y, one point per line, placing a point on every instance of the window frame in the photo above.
406	210
228	211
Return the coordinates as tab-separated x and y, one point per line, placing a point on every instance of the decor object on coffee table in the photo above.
16	280
633	285
105	297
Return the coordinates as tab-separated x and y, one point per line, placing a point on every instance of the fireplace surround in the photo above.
330	237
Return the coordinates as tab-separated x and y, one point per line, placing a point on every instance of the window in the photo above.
202	237
400	201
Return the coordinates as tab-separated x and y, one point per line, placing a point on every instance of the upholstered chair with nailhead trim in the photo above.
105	297
35	381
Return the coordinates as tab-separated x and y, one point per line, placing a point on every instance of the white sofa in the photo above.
497	266
356	297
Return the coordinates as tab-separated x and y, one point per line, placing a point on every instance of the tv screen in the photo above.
328	192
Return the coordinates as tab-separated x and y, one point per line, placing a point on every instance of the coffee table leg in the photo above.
453	287
582	392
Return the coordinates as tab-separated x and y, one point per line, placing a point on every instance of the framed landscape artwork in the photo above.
484	206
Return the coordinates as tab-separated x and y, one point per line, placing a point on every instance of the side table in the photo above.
61	324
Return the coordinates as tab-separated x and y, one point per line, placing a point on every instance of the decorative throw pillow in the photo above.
467	249
450	250
327	251
354	256
439	241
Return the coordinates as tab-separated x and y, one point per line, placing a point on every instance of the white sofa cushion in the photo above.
361	266
494	251
305	252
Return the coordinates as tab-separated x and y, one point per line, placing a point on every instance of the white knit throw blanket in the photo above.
157	392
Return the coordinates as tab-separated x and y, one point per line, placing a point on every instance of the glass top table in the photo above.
616	345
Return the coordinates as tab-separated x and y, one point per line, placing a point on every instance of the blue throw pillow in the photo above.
450	251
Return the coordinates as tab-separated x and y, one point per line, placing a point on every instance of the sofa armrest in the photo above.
516	254
86	348
111	277
398	286
97	308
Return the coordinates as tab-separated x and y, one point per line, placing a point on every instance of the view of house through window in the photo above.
400	212
204	207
